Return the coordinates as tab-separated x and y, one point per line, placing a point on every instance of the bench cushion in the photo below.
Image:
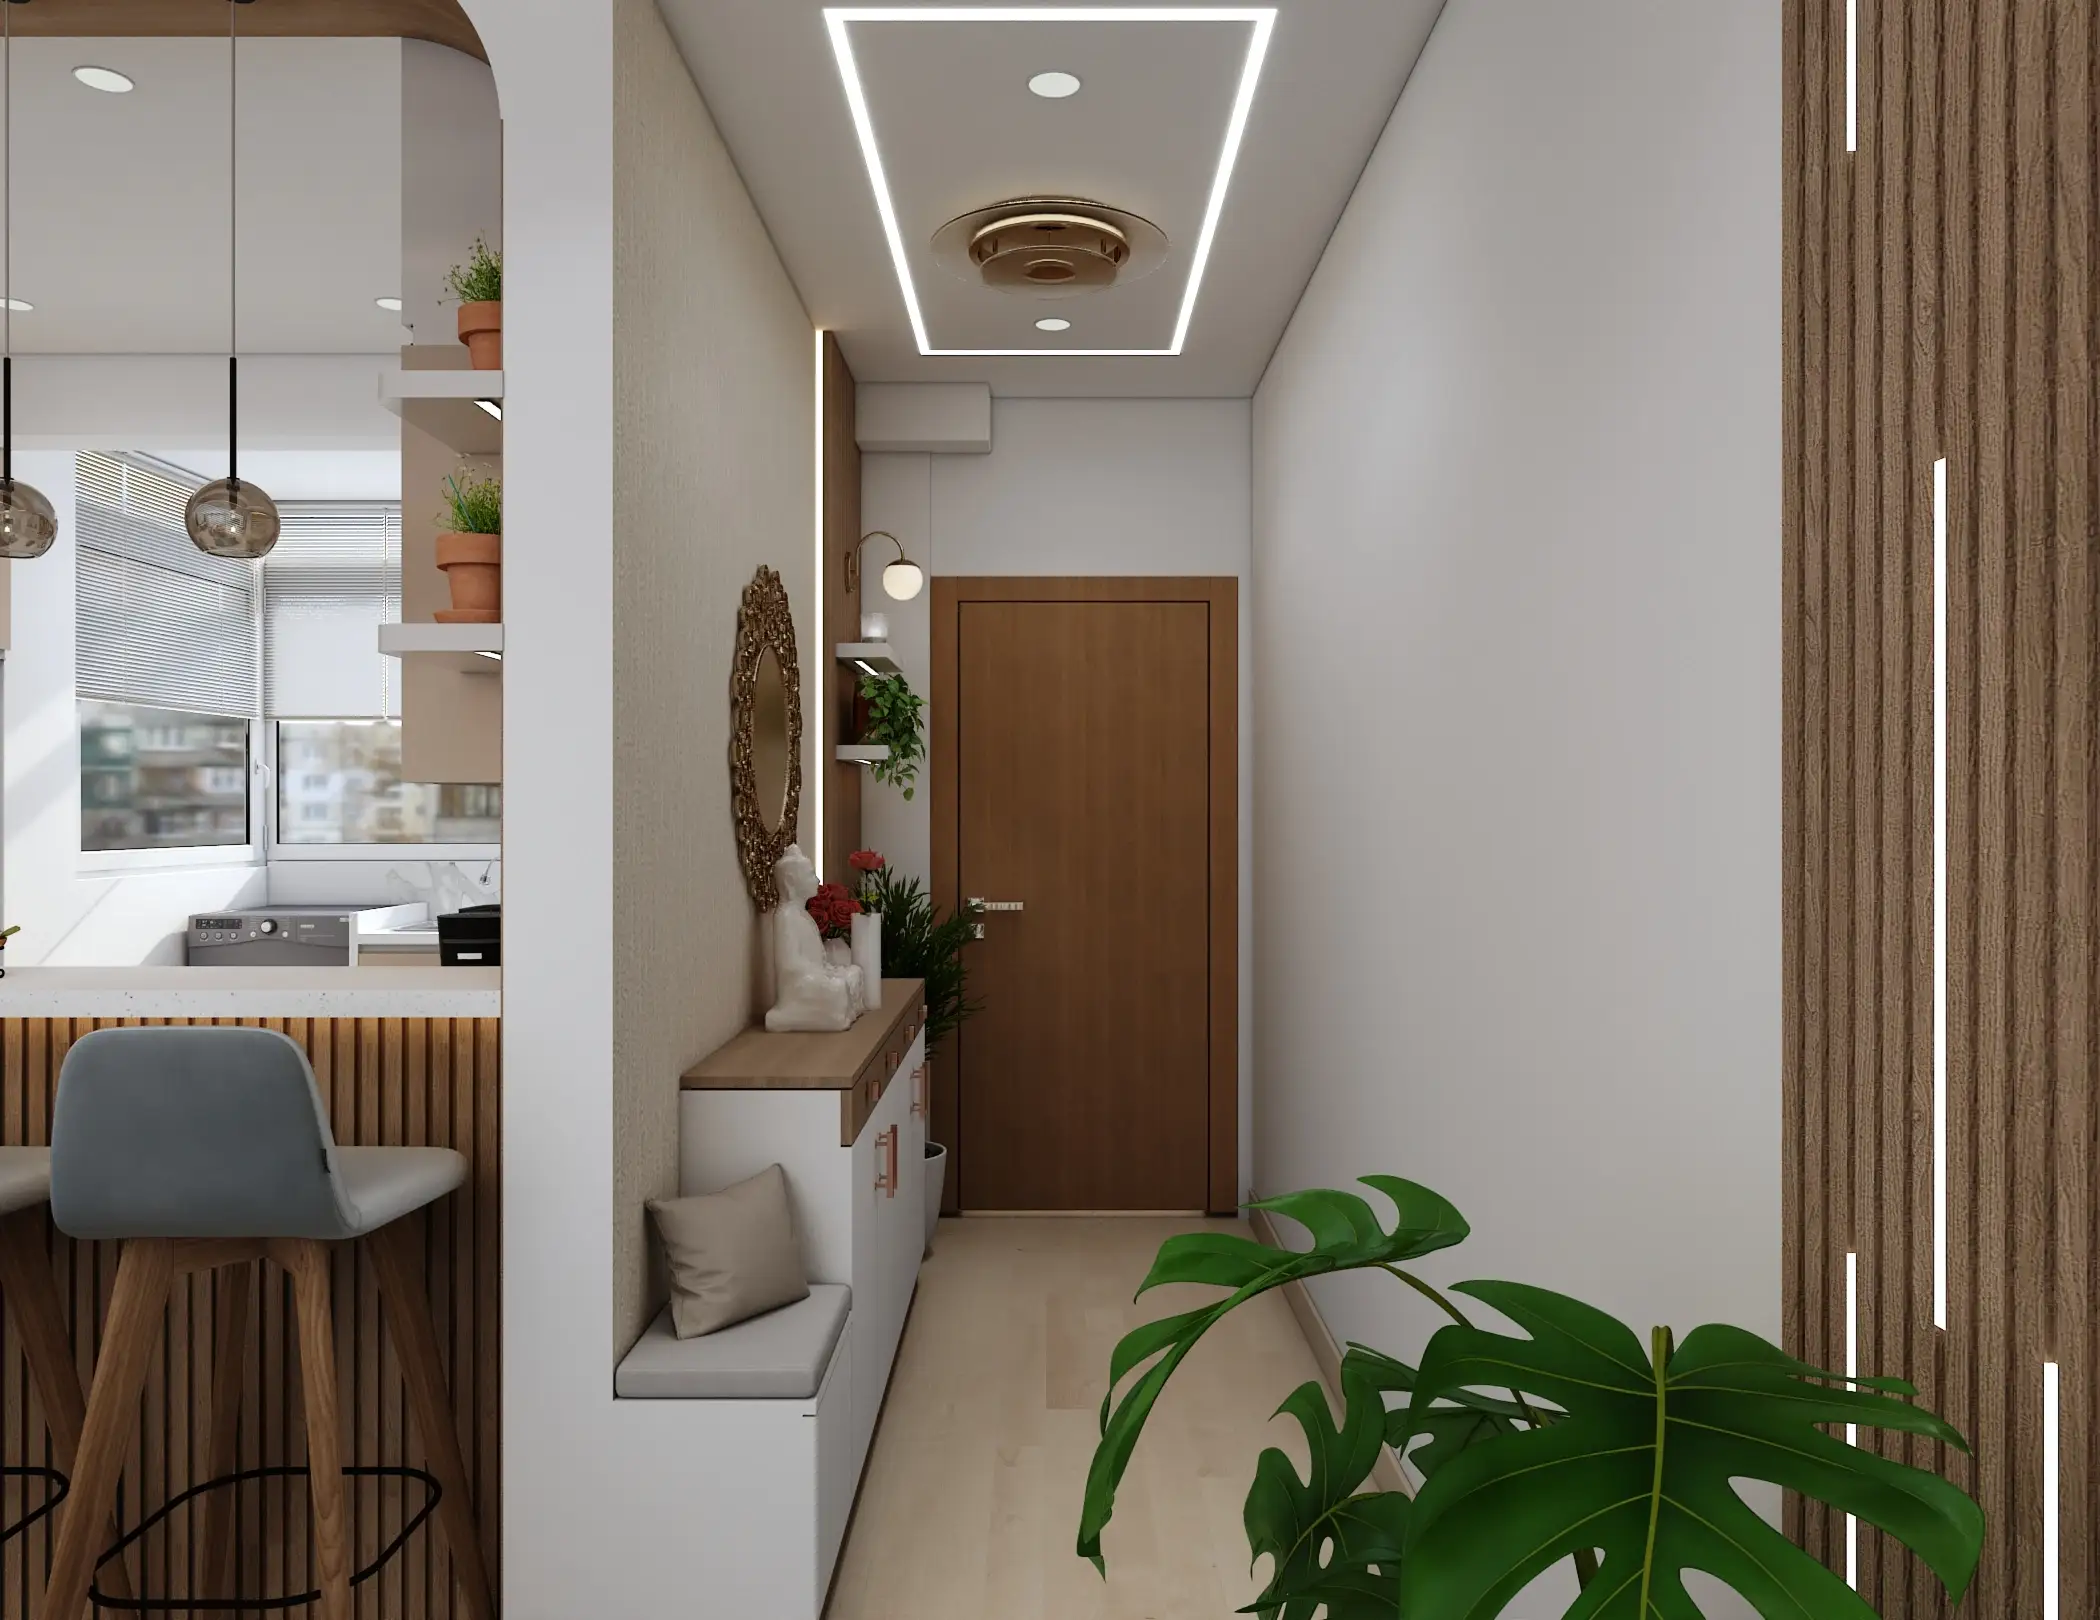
780	1356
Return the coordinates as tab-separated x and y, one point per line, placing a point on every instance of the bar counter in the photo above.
402	1056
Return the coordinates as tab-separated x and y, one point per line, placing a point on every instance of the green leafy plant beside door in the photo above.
1577	1442
896	720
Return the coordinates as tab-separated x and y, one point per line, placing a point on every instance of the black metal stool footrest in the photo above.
57	1494
235	1481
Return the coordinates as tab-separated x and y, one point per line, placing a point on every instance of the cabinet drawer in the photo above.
857	1106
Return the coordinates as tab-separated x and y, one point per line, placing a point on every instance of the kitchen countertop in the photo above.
262	992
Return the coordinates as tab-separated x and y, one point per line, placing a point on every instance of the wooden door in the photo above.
1078	779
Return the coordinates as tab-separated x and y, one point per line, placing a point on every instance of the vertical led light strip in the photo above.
1852	1429
1939	893
816	795
1852	75
2052	1486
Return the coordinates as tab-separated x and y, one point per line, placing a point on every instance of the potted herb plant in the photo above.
893	716
1577	1441
920	943
471	550
478	285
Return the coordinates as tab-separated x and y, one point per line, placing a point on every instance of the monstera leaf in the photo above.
1640	1467
1346	1236
1331	1545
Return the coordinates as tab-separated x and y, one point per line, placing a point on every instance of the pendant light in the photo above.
231	518
28	525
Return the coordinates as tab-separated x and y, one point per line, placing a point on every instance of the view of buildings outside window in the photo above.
161	779
339	782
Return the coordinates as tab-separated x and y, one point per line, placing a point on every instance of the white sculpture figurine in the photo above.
814	994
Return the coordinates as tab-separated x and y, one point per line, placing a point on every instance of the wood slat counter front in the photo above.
387	1079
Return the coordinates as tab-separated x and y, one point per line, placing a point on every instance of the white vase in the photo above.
867	954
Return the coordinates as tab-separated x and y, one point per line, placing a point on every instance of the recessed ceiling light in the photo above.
1053	323
102	78
1055	86
841	21
391	305
21	306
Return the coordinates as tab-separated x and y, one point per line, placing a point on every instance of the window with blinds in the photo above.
333	579
159	622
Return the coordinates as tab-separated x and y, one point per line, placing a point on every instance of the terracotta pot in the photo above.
473	565
481	330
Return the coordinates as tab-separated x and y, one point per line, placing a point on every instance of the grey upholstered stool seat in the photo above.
25	1178
208	1148
218	1132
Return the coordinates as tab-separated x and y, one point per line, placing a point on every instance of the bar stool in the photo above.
40	1321
207	1147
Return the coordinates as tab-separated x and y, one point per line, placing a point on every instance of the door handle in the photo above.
886	1162
921	1092
998	905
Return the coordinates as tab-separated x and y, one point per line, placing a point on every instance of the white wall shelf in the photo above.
447	405
862	753
872	657
472	649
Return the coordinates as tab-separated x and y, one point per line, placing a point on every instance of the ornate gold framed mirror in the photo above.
765	734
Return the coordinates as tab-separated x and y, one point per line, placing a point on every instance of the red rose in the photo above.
866	860
832	909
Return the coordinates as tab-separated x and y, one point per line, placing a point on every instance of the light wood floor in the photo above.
970	1505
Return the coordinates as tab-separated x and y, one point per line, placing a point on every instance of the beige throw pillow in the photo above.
733	1254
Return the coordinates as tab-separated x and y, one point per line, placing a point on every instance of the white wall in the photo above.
714	477
1516	585
1071	487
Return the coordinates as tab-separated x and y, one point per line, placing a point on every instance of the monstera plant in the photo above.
1577	1441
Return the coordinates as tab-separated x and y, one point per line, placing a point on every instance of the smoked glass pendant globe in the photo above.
28	525
232	518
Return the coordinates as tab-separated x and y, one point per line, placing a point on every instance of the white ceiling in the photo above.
958	129
120	226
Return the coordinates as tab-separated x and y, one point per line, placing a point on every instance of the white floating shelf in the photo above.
472	649
873	657
862	753
448	405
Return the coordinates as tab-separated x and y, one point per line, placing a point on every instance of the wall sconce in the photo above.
902	579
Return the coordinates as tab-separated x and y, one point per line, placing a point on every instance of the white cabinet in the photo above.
888	1234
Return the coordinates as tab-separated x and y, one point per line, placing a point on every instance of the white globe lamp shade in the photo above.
903	579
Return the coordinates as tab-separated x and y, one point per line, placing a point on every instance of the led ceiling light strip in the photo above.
838	19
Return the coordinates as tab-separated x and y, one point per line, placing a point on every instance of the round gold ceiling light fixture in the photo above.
1050	247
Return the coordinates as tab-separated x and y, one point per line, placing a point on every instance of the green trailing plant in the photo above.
919	943
896	720
473	505
1576	1442
480	279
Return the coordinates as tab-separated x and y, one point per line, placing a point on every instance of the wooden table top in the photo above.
759	1060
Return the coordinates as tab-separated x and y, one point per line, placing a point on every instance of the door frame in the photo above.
1221	594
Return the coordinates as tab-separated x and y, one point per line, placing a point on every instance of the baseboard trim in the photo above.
1327	1352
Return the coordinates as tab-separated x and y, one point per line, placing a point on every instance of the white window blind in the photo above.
332	581
159	622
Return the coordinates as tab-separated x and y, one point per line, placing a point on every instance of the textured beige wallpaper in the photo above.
714	403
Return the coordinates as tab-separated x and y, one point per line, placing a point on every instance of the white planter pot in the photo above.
936	1183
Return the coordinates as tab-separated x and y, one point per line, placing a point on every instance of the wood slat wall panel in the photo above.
1941	302
385	1082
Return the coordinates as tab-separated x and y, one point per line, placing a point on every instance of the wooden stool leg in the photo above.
229	1368
120	1372
393	1249
307	1261
28	1292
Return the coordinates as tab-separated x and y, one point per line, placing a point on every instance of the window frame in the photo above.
395	853
184	857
